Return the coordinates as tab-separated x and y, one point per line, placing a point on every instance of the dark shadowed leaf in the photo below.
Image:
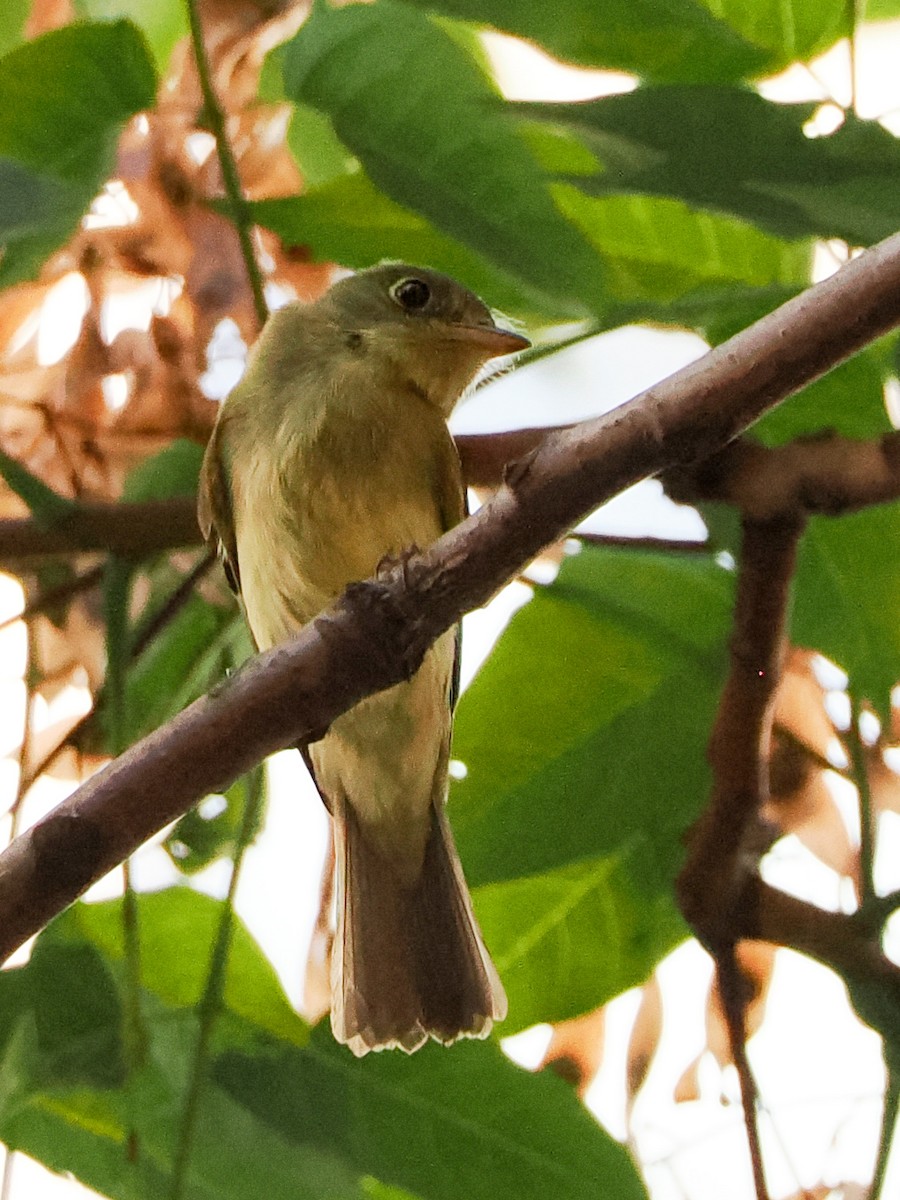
211	830
657	141
652	38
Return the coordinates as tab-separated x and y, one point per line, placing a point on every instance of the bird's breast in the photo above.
321	505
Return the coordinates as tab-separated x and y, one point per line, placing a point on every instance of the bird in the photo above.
331	454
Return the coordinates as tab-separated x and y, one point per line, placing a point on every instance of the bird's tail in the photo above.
409	962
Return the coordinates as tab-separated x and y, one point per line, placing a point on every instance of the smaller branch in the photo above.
828	474
649	545
720	857
841	941
127	530
485	456
732	989
240	211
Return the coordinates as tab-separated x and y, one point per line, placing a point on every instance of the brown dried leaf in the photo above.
576	1049
645	1036
317	982
800	704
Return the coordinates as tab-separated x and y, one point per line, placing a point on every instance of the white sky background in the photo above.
819	1069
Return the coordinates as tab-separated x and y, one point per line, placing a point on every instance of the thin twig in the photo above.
240	211
732	989
886	1140
56	595
149	630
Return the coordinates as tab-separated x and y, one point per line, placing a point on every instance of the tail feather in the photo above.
409	962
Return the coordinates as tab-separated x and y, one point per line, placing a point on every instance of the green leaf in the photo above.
652	38
317	150
567	940
605	756
92	1133
63	100
437	141
791	30
48	507
576	792
177	930
13	15
728	149
349	221
311	1121
189	656
441	1124
845	599
163	22
661	249
174	471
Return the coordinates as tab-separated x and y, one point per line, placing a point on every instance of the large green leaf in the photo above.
441	1124
584	744
408	100
846	598
349	221
63	100
652	38
312	1122
567	940
177	927
728	149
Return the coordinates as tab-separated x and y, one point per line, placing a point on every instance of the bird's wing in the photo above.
214	508
454	508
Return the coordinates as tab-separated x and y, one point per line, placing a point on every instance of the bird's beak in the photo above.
496	341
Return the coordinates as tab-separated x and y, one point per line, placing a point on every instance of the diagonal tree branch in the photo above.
377	633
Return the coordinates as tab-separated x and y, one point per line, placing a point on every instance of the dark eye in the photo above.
411	294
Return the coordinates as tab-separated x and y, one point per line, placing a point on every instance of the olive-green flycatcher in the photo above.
331	453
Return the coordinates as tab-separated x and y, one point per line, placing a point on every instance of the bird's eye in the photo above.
411	294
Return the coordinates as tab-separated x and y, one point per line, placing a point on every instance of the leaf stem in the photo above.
211	1002
240	210
885	1141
